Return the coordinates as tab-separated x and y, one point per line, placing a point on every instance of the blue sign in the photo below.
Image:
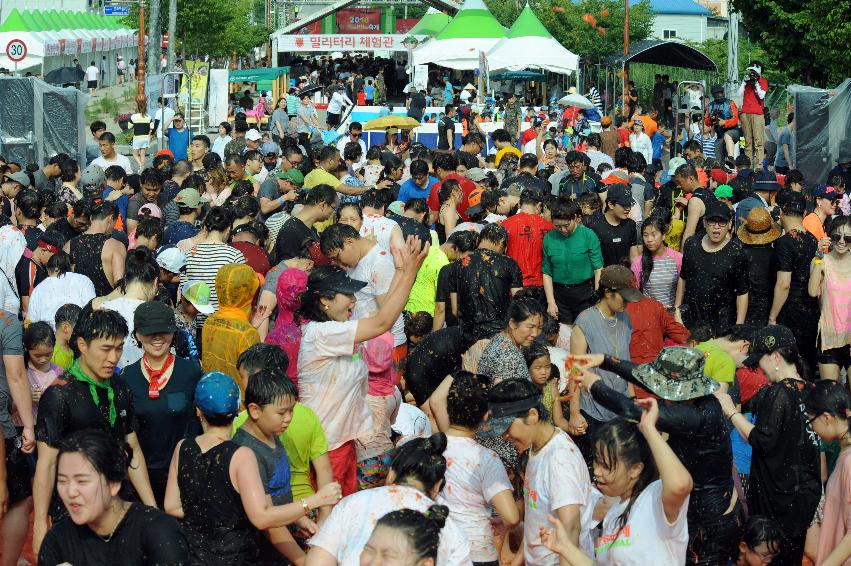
116	10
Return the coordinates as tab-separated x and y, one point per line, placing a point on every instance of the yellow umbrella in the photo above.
401	122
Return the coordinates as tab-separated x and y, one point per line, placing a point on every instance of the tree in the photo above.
592	29
810	37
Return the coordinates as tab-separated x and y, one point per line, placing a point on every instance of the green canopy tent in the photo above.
473	30
431	24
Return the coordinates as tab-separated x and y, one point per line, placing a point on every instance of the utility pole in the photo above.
140	62
156	38
172	37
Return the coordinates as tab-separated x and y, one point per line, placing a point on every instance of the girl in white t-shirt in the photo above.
647	524
475	476
409	536
332	371
557	482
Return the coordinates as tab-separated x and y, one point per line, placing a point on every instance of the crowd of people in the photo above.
269	350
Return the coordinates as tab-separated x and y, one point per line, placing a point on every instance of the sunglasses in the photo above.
841	238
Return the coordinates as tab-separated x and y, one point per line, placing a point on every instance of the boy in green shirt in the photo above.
65	319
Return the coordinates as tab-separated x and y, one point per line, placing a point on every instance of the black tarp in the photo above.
665	53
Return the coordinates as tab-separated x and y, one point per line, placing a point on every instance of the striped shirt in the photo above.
662	284
203	263
142	124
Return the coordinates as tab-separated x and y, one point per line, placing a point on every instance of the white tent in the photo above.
528	45
457	46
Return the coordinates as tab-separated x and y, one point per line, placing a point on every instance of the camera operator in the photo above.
723	115
753	90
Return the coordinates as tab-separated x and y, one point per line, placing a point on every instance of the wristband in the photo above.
733	414
280	200
306	507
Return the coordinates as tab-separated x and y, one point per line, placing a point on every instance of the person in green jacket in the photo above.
571	264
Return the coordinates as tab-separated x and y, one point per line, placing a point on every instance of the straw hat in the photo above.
759	229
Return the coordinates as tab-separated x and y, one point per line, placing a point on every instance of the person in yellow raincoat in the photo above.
229	332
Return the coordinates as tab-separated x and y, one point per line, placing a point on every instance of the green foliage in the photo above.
210	27
578	26
809	37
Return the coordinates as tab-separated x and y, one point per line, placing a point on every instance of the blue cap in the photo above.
217	394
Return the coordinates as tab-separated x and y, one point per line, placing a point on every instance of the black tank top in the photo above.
86	250
215	523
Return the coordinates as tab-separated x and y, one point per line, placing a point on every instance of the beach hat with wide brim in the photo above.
759	228
676	375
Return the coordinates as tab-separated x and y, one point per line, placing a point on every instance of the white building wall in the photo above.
686	26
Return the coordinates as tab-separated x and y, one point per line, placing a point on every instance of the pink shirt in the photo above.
837	509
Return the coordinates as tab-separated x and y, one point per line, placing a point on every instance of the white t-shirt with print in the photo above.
377	269
556	476
347	530
474	476
647	537
332	380
379	226
411	423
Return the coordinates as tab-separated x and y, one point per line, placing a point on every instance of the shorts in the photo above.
332	119
141	143
400	352
836	356
714	541
573	299
344	467
120	72
373	471
18	476
93	84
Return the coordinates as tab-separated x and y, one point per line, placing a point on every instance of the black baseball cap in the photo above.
768	340
718	210
619	193
154	317
337	282
520	395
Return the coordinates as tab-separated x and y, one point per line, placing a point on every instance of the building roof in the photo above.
683	7
673	7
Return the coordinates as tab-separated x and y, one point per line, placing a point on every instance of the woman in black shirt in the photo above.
698	435
163	390
101	527
785	480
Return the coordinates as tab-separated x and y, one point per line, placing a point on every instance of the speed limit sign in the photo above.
16	50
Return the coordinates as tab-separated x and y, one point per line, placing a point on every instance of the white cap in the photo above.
253	135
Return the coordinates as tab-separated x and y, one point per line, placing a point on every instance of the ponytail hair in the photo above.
421	459
421	530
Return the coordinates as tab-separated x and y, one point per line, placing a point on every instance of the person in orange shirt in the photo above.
649	122
826	198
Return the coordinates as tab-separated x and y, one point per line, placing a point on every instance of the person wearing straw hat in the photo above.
757	234
697	429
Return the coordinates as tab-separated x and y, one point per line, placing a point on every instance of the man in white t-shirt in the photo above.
108	155
162	120
386	231
336	106
557	481
92	74
355	135
364	260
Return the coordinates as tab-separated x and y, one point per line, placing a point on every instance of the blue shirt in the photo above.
121	202
178	143
410	190
448	93
178	231
784	139
383	112
369	91
658	142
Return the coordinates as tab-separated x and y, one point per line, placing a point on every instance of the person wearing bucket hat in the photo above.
782	440
757	235
332	381
763	186
215	487
516	412
158	377
697	430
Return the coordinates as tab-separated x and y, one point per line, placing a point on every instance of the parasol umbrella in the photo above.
309	90
401	122
64	75
576	100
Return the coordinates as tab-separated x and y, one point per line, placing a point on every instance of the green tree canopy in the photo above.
578	26
210	27
810	37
